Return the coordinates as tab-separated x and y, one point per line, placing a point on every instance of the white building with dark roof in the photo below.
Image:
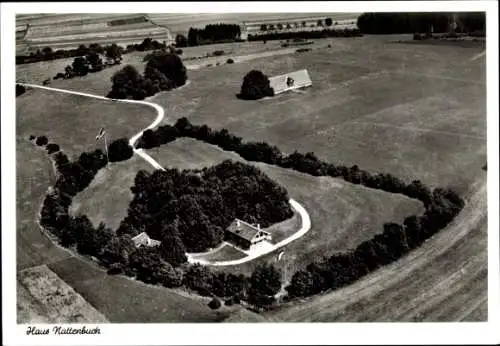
290	81
244	235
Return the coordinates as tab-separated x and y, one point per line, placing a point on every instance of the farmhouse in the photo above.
290	81
143	239
245	235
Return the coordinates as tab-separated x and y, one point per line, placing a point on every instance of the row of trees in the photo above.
92	62
411	22
163	264
196	207
164	71
48	53
287	35
394	242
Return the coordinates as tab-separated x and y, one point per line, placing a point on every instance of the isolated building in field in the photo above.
290	81
143	239
245	235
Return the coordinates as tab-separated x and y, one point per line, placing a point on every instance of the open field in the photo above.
34	174
124	300
443	280
73	121
43	297
417	112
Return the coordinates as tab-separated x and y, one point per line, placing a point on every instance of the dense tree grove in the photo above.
305	34
255	86
193	208
264	284
164	71
212	33
411	22
120	150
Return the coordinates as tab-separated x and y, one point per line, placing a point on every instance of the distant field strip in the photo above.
43	297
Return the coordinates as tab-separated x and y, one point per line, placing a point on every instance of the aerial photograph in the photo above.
251	167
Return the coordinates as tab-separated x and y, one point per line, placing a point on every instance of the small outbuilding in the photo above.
245	235
142	239
290	81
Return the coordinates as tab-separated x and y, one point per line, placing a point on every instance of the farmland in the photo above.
415	111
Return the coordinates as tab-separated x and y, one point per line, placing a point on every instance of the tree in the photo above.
94	61
114	54
120	150
265	282
20	89
199	278
255	85
52	148
41	141
170	65
301	284
320	22
214	304
80	66
181	40
263	27
172	248
91	241
328	22
160	81
47	51
118	250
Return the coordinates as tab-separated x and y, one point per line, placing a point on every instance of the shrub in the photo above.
178	51
214	304
255	86
52	148
32	137
20	89
230	61
115	268
41	141
417	36
302	50
218	53
120	150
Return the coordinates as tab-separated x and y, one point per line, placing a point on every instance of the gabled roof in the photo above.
244	230
300	79
141	237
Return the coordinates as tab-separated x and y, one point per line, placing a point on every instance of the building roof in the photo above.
300	79
143	238
244	230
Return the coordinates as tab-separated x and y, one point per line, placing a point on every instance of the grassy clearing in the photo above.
443	280
44	298
123	300
73	121
361	89
111	188
34	175
226	253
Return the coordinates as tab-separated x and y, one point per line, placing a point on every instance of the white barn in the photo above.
290	81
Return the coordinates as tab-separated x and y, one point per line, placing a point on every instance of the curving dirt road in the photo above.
264	250
306	220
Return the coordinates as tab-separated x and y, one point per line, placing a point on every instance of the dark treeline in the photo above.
212	33
197	206
48	53
310	34
263	152
164	71
404	23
